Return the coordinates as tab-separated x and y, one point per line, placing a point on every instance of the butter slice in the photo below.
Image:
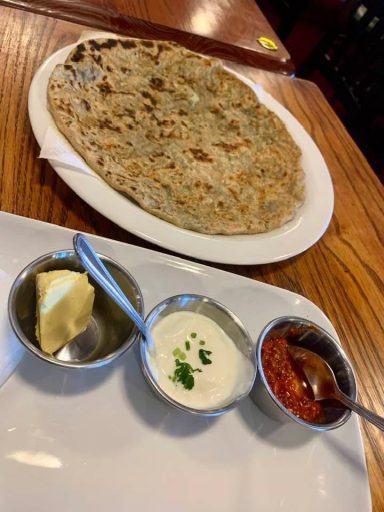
64	307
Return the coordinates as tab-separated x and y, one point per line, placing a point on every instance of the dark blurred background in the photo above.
339	45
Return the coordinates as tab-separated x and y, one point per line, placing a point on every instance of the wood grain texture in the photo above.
222	28
343	273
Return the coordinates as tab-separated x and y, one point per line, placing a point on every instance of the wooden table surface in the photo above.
342	273
228	29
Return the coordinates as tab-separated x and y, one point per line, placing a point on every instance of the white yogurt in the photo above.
229	374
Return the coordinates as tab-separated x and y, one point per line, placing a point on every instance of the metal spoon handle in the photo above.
373	418
101	275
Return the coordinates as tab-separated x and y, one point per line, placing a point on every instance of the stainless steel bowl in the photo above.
110	332
312	337
227	320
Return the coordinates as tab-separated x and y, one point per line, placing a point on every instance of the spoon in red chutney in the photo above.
324	385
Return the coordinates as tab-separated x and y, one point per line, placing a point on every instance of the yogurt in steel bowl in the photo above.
202	359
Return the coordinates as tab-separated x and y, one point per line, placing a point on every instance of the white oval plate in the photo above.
293	238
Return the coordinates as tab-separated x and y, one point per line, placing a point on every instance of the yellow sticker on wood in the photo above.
267	43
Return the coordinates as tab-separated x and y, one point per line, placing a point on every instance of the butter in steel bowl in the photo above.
64	303
109	332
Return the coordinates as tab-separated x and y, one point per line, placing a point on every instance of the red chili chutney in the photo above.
286	382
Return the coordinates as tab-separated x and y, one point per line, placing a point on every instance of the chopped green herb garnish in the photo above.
187	345
202	342
203	356
183	373
193	335
182	356
176	352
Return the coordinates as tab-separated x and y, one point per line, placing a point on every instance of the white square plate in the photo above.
100	441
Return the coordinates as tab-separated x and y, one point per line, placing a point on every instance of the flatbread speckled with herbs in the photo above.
179	135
